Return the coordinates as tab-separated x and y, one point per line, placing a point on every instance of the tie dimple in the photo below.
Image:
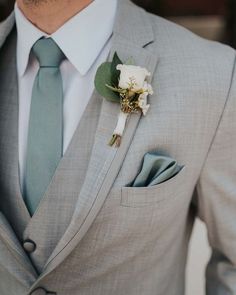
48	53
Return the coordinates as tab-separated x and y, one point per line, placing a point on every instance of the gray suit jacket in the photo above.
123	240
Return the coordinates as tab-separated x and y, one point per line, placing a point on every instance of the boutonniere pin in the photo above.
126	85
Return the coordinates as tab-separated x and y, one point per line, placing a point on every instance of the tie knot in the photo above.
48	53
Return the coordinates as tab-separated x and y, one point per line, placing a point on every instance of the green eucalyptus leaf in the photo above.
114	72
104	77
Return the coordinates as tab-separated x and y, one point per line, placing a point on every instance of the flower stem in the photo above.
116	139
119	130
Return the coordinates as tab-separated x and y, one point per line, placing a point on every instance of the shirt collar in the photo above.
82	38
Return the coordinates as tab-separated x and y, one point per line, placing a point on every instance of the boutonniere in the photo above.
126	85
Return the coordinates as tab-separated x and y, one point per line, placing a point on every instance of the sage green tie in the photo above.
45	135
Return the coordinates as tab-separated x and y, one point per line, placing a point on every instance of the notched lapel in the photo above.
106	161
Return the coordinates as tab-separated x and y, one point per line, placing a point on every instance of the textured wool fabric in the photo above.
57	206
6	27
133	240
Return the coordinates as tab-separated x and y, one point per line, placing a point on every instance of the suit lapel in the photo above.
132	32
6	27
13	257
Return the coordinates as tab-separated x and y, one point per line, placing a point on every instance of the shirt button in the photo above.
39	291
29	246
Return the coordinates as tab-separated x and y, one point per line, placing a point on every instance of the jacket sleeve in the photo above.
216	201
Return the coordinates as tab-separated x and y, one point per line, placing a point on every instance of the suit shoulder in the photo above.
185	54
173	38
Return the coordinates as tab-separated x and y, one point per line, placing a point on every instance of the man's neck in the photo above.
50	15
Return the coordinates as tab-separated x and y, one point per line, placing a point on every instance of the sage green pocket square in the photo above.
155	169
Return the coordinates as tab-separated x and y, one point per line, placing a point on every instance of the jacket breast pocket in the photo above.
147	196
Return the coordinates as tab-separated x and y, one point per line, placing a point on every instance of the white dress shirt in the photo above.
85	41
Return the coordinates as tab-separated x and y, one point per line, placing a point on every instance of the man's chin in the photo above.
35	2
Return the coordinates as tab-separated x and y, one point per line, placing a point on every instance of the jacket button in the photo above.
39	291
42	291
29	246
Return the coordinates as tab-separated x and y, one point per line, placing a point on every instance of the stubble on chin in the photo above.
37	2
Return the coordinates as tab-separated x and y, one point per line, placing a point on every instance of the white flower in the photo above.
148	88
142	102
132	77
